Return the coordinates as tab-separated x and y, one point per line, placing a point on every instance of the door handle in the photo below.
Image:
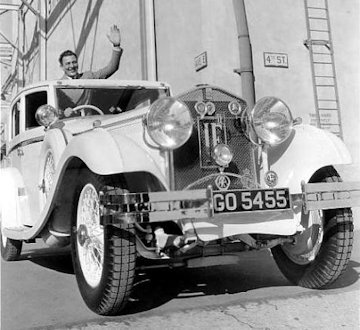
20	152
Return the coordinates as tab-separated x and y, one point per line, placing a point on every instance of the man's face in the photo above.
70	66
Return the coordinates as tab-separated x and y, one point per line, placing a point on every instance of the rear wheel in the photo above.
103	257
10	248
321	253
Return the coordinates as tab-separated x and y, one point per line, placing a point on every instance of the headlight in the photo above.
46	115
169	123
272	120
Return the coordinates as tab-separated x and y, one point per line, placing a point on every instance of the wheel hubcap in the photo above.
49	172
90	236
308	243
82	235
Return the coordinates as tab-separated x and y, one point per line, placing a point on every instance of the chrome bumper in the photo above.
332	195
197	205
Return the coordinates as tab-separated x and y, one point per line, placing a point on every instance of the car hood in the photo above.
78	125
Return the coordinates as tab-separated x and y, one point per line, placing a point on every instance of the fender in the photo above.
307	150
100	152
105	154
14	204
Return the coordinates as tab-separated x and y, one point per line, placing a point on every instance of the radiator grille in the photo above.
192	162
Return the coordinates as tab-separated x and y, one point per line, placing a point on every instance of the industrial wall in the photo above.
187	30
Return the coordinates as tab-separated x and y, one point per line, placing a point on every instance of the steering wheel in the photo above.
82	107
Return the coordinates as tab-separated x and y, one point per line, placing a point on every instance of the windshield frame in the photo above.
109	102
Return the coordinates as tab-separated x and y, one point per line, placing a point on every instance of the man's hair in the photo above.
66	53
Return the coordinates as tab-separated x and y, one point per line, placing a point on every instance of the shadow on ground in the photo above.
154	288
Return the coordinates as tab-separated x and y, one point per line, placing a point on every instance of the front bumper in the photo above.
197	206
334	195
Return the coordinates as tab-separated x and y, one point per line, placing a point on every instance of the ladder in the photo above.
319	43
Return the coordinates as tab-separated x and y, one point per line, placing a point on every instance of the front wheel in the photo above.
103	257
320	253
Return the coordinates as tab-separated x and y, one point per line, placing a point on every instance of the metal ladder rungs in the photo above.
320	18
320	62
318	8
319	30
319	42
323	76
328	100
321	53
322	66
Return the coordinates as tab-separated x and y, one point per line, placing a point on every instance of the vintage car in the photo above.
132	178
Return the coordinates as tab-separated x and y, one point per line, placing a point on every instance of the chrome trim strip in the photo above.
26	142
169	168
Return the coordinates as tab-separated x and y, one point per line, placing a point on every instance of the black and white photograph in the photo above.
180	164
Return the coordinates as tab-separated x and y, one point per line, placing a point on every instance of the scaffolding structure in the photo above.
9	50
12	47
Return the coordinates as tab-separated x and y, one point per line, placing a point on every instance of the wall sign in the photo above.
200	61
278	60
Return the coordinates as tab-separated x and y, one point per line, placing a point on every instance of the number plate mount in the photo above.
231	201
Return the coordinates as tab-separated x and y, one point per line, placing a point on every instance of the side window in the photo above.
32	103
15	119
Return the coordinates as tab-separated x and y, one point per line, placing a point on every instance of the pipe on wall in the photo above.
246	71
148	40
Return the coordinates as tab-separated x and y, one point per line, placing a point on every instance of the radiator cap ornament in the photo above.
271	178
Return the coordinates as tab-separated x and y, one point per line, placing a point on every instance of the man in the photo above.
69	64
69	61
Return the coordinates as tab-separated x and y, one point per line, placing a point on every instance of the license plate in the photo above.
230	201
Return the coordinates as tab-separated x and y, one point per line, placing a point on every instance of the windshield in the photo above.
108	100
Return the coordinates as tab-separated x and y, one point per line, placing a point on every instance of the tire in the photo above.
322	252
103	257
10	248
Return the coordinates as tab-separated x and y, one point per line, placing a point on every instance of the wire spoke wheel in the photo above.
49	173
103	256
322	251
308	244
90	235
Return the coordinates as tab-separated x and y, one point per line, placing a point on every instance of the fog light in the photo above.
222	155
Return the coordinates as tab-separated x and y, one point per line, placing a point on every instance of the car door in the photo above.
13	158
14	128
29	147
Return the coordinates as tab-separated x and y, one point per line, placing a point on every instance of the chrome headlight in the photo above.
169	123
46	115
271	120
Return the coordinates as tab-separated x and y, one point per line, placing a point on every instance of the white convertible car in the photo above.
132	177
